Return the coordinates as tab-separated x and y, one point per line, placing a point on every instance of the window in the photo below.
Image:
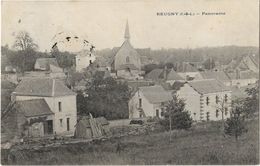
226	111
60	106
61	123
194	114
127	59
217	113
207	116
140	103
157	113
207	99
217	99
90	61
226	98
68	124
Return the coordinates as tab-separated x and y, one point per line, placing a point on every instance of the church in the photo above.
127	61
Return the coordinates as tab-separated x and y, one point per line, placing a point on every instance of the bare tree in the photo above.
25	46
222	105
23	42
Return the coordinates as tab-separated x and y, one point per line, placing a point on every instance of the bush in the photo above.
140	122
179	120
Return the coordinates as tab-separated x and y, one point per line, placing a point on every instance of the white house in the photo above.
83	59
60	99
148	101
205	99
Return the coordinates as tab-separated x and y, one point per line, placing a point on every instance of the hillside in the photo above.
204	144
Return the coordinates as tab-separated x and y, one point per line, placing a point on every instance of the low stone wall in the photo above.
134	129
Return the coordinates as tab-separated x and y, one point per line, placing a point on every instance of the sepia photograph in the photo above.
130	82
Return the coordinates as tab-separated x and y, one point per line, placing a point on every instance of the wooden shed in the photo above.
89	127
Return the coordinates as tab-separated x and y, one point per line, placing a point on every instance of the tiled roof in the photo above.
31	108
219	75
155	94
208	86
42	87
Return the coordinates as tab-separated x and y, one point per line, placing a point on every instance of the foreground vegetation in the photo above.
202	144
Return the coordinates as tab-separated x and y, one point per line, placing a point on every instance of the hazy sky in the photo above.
103	22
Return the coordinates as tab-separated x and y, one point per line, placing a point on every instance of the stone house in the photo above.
206	99
60	100
148	101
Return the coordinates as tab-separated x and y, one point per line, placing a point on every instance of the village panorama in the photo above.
127	105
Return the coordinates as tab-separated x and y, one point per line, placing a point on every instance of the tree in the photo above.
26	50
235	125
64	59
222	106
23	42
251	103
176	117
104	97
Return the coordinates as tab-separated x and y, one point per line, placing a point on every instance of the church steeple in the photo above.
127	34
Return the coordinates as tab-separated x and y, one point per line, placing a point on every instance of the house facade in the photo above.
206	99
83	59
60	99
148	101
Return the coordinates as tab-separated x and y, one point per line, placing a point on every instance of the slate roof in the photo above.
219	75
46	62
173	75
155	94
42	87
32	108
155	74
208	86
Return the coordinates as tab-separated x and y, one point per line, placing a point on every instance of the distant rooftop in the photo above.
156	94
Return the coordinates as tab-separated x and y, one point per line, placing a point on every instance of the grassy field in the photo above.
204	144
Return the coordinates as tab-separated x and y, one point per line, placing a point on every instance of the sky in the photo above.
103	22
